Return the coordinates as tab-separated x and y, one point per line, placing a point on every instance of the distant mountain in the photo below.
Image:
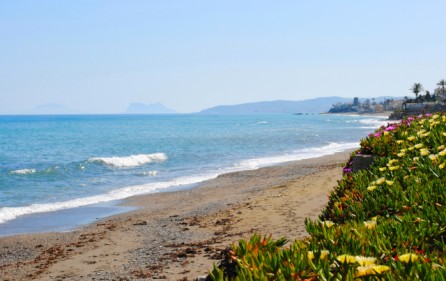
317	105
154	108
52	109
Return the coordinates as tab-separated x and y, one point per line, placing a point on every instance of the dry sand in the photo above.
179	235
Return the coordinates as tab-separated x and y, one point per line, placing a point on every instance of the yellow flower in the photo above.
434	124
371	188
391	161
403	150
310	255
424	152
441	147
420	132
324	254
442	153
433	157
406	258
411	148
389	183
364	271
399	141
371	269
444	134
411	138
346	259
426	134
382	169
394	168
370	224
416	159
442	165
381	268
436	116
380	181
386	133
328	224
419	145
365	260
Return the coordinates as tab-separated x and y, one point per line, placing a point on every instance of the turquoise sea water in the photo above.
55	163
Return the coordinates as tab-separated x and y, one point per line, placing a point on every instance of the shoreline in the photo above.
56	221
179	234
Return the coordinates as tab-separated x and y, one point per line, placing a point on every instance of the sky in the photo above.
99	56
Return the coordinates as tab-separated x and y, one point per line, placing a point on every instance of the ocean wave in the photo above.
130	161
261	123
376	122
10	213
297	155
23	172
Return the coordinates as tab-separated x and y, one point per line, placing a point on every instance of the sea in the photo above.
60	172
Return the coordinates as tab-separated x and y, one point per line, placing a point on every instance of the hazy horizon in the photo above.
99	57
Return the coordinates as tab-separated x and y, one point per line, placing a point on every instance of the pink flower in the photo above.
377	135
390	128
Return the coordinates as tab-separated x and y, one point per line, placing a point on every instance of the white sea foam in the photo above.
149	173
374	122
130	161
10	213
261	123
297	155
23	172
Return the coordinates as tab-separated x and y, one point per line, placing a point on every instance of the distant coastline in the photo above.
374	114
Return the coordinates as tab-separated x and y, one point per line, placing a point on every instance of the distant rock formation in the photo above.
154	108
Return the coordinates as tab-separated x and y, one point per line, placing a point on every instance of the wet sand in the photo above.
179	235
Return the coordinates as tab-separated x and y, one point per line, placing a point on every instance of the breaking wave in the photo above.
297	155
23	172
130	161
10	213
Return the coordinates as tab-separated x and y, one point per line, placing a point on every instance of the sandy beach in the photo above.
179	235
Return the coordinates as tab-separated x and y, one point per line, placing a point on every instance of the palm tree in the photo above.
442	83
416	89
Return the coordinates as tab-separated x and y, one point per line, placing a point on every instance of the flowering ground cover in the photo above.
387	222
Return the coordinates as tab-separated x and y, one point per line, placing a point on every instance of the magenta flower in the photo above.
390	128
377	135
347	170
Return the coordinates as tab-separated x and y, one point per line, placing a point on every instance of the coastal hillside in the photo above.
317	105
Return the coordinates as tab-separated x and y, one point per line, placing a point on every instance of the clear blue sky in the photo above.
99	56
